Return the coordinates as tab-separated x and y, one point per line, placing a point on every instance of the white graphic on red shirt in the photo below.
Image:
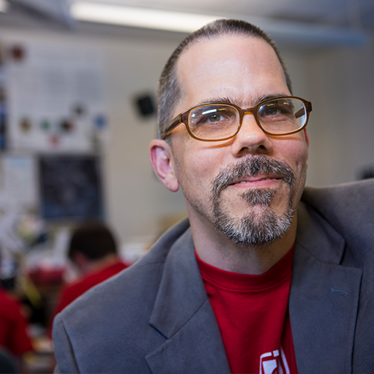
274	363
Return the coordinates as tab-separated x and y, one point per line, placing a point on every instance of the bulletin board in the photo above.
70	187
55	97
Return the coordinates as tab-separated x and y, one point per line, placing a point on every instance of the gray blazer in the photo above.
155	316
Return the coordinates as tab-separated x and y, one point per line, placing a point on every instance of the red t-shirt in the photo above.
72	291
13	326
252	315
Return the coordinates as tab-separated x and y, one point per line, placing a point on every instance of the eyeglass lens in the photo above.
278	116
282	115
214	121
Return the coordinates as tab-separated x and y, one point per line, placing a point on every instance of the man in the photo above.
93	250
256	281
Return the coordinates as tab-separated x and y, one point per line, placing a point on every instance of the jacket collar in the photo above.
181	293
323	298
183	315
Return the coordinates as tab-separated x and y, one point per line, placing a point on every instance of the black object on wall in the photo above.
145	105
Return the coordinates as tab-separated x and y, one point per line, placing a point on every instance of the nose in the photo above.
250	139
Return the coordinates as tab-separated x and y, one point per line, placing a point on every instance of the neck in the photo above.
218	250
100	263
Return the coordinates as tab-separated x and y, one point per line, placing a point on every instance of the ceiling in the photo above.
347	13
313	23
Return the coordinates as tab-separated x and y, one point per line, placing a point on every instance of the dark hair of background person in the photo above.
93	239
169	90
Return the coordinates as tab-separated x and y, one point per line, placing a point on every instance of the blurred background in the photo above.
78	82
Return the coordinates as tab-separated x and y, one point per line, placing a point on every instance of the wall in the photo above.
338	82
341	86
136	201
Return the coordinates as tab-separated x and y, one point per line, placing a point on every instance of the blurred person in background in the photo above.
14	337
93	251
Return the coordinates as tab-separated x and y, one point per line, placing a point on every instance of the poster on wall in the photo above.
70	187
55	97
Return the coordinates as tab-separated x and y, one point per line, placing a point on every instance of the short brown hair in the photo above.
169	90
94	239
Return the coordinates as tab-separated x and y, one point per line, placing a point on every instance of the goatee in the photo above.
262	226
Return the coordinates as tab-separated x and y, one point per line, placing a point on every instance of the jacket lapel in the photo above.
183	315
323	299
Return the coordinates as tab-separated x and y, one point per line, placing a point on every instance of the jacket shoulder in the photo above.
348	209
347	206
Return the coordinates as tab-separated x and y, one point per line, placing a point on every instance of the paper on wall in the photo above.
55	97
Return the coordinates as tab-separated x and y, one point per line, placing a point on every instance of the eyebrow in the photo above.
227	100
267	97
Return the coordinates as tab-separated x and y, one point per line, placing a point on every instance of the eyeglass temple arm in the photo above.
301	112
177	120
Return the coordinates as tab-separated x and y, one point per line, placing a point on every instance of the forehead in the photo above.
241	68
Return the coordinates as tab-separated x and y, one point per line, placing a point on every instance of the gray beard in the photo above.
260	227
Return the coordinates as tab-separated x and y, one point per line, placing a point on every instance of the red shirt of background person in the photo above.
13	326
93	250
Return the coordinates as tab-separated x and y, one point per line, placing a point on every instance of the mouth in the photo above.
256	181
255	172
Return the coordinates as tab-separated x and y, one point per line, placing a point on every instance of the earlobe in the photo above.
161	160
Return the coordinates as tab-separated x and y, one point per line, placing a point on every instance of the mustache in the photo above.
252	166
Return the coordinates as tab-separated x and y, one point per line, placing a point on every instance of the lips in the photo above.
255	179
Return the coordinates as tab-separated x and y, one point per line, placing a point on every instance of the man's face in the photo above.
252	182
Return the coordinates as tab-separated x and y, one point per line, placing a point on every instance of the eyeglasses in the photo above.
221	121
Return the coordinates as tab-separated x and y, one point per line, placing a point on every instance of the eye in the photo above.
270	111
214	117
278	108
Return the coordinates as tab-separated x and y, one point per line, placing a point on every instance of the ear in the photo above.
161	159
80	260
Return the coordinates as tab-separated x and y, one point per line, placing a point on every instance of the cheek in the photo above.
200	172
295	153
302	157
200	161
299	157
